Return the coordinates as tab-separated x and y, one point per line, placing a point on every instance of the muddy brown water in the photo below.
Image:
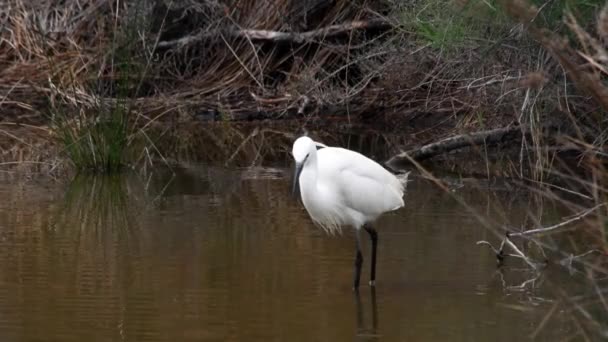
216	254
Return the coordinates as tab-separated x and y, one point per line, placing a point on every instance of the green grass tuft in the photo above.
101	138
97	140
453	25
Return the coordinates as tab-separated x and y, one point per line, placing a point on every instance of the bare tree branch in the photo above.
279	36
559	225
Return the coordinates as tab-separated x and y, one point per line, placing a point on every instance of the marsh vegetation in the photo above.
493	90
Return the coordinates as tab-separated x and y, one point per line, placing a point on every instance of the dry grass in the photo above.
183	61
62	54
568	169
178	62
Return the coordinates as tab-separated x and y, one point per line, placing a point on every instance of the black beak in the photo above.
295	185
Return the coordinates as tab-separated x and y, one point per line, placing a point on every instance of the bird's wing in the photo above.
363	184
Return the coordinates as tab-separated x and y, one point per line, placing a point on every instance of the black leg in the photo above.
374	237
358	262
362	331
374	309
360	320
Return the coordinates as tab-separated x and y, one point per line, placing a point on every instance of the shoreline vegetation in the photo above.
177	74
515	88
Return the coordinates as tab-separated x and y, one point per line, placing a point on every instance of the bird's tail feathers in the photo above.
404	177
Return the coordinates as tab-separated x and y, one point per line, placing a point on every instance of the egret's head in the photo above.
302	148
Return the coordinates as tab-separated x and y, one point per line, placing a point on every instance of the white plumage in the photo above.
340	187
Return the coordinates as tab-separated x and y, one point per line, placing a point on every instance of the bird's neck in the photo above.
312	167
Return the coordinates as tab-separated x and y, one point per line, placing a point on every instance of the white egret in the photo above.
340	187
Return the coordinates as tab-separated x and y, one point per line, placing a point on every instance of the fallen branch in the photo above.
279	36
459	141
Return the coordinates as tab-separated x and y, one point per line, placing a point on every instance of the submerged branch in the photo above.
520	253
500	254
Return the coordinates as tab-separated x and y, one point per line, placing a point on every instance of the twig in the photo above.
545	319
559	225
523	285
520	253
484	242
249	137
19	124
236	56
599	293
500	254
567	261
281	37
543	183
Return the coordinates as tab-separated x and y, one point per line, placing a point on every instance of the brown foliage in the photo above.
188	61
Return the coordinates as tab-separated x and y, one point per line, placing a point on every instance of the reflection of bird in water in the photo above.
363	332
340	187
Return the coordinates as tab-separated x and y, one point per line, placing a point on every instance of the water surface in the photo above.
215	254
